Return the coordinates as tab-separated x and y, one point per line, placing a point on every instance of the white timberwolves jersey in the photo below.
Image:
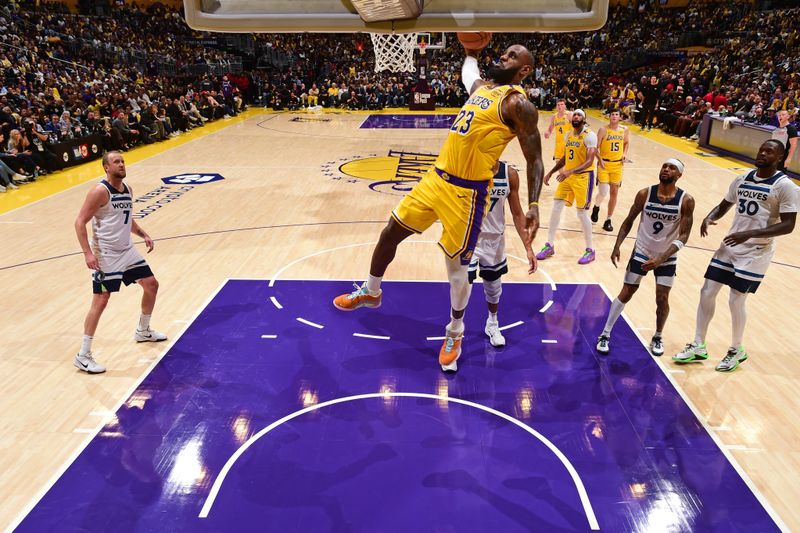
495	220
759	202
659	223
111	226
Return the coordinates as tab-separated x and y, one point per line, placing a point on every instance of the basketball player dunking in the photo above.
560	123
112	256
456	189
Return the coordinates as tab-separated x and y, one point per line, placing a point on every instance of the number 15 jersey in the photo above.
478	135
759	202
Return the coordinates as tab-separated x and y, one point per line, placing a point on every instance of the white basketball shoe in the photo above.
149	335
492	331
87	363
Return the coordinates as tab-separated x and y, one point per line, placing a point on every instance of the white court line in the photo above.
587	505
435	338
269	336
309	323
546	306
364	335
275	302
515	324
760	497
280	271
544	272
549	341
52	481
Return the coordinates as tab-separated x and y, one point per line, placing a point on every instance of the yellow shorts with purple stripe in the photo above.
459	204
612	173
577	190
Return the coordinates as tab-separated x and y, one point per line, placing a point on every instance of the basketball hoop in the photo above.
394	51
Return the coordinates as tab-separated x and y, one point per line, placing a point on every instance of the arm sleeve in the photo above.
590	140
470	73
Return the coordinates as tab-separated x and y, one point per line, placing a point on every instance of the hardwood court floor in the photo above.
291	192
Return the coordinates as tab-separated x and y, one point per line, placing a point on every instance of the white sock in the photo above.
658	334
493	317
613	314
144	322
586	226
374	284
456	325
555	220
86	345
705	309
738	317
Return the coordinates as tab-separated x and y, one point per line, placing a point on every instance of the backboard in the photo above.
339	16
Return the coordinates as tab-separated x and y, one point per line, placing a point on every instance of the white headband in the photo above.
676	162
577	111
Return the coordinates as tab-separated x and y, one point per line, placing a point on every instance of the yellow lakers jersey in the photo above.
561	125
612	144
478	135
576	150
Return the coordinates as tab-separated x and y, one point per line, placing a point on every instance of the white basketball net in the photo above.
394	52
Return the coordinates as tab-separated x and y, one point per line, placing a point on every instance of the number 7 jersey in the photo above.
759	202
111	225
478	135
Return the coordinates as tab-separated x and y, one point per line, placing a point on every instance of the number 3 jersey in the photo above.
478	135
659	223
759	202
111	225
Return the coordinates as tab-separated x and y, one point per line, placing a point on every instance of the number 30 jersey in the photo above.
111	225
659	223
478	135
759	202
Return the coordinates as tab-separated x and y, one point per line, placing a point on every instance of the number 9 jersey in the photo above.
478	135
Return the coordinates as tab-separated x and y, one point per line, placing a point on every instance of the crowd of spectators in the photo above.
67	75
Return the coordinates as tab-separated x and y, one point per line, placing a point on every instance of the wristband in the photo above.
678	244
533	204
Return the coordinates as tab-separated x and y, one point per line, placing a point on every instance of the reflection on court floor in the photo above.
275	412
419	121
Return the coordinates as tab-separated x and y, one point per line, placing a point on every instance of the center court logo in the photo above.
395	173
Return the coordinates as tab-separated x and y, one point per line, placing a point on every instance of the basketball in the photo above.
474	40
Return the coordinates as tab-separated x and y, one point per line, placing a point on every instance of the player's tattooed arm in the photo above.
627	224
524	118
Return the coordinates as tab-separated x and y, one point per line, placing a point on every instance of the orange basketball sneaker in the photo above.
450	351
358	298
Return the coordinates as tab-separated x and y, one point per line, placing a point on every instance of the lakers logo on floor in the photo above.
395	173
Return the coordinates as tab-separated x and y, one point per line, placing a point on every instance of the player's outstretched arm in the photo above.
471	72
524	119
684	230
717	213
627	224
786	225
96	199
520	222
